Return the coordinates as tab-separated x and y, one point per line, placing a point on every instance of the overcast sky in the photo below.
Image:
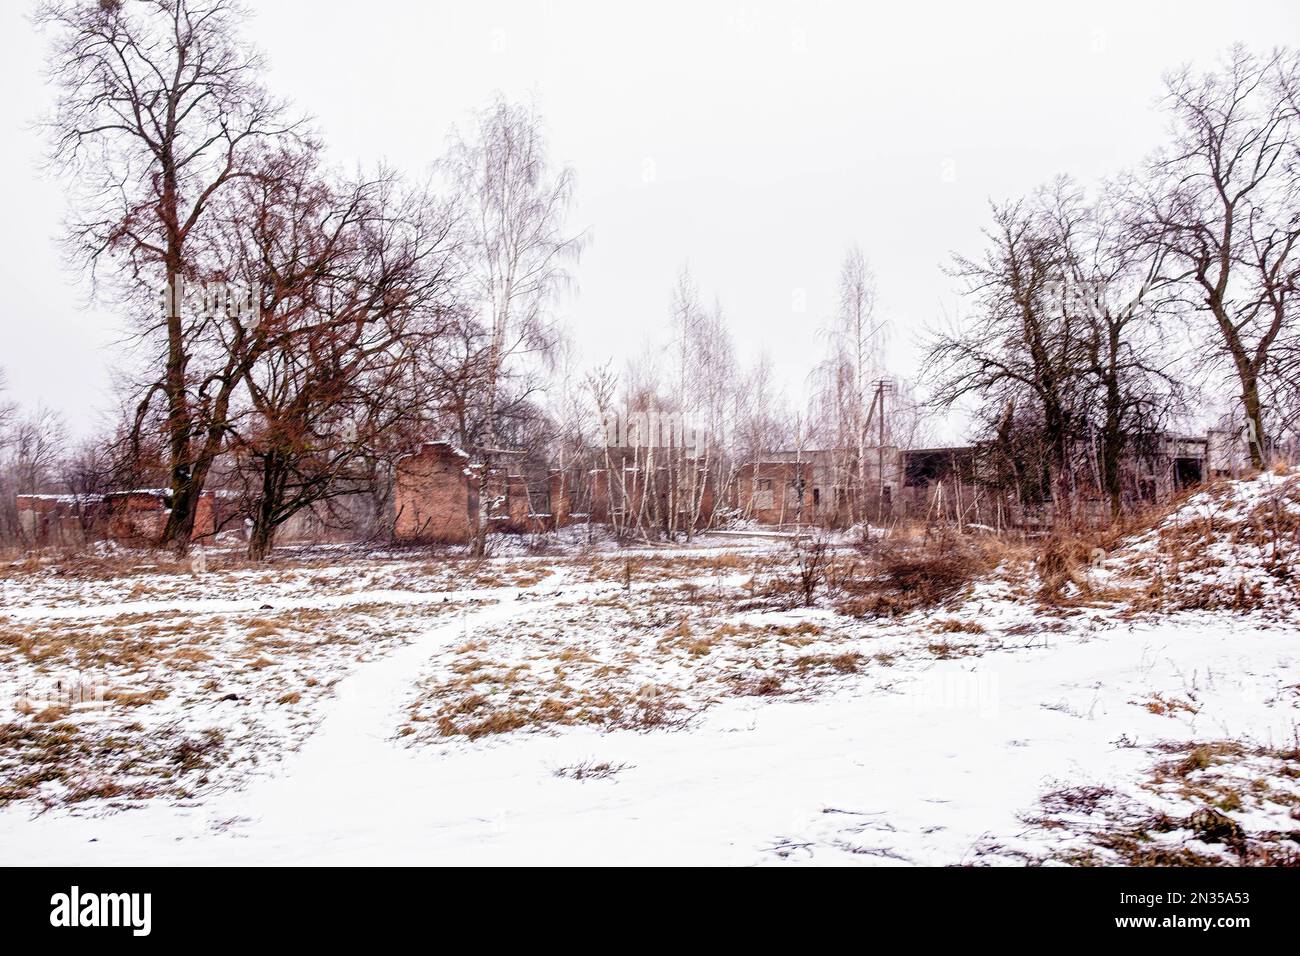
753	141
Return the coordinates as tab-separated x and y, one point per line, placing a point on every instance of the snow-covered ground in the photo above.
656	708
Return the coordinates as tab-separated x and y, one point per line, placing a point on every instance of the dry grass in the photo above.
640	659
127	697
1215	780
849	662
1225	553
1063	561
1161	705
591	770
63	763
129	730
904	575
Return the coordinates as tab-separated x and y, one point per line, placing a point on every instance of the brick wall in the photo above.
435	498
768	491
558	491
518	507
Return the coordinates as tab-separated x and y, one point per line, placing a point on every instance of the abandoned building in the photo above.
960	483
436	494
820	486
135	517
138	518
436	497
439	494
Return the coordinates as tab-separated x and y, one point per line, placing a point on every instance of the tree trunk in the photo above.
267	514
478	545
180	521
1255	437
262	538
1112	449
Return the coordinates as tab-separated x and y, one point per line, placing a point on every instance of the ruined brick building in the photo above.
819	486
138	518
135	517
828	487
436	494
437	498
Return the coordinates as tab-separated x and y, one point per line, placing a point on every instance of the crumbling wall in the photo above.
518	506
435	499
59	521
560	495
776	492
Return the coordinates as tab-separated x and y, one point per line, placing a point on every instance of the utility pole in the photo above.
883	386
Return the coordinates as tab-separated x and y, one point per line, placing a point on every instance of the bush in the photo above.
812	556
903	576
1062	561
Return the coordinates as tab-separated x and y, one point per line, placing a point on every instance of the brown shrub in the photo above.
1061	562
847	663
904	576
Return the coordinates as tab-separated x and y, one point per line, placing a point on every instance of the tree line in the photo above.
295	329
1095	315
292	326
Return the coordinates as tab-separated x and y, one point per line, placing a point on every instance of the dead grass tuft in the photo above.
591	770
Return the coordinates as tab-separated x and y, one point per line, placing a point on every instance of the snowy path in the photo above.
351	780
347	783
919	772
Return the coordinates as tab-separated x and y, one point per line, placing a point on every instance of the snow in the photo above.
911	774
943	747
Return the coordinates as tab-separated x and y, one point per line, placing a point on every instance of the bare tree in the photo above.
89	469
354	279
846	392
1117	287
160	111
1224	203
1065	350
31	453
1022	354
7	411
699	413
515	243
858	335
37	443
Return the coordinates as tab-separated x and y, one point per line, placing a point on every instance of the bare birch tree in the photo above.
516	246
844	382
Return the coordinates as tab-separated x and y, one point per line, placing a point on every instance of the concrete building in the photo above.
822	486
958	483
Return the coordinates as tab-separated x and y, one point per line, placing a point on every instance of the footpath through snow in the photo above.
939	768
991	731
